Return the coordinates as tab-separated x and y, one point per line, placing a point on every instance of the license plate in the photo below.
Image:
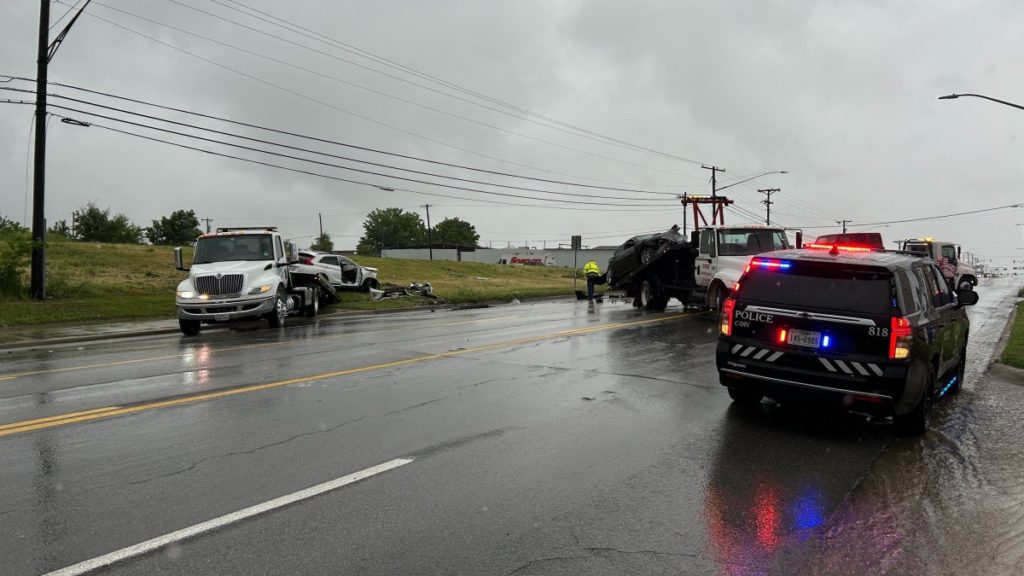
221	317
804	338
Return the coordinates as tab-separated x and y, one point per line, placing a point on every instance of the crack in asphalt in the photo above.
250	451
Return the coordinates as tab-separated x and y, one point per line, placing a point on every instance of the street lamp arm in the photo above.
720	188
955	96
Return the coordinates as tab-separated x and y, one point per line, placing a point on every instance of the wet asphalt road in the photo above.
548	438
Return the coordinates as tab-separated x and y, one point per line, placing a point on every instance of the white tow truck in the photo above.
702	271
960	274
245	274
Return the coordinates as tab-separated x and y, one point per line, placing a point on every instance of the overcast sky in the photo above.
840	94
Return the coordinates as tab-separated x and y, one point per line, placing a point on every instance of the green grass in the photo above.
96	282
1013	355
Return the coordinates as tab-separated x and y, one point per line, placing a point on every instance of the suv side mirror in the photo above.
179	260
966	297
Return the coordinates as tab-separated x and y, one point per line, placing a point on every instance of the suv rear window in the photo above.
829	287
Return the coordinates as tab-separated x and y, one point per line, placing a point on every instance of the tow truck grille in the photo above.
226	284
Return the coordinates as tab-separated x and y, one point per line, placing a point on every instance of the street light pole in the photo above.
955	96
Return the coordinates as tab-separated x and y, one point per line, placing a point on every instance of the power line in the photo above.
369	184
345	144
338	166
311	151
308	33
321	102
379	92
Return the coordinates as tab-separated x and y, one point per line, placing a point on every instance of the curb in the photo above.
330	316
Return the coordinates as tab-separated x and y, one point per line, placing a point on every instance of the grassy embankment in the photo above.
88	281
1013	355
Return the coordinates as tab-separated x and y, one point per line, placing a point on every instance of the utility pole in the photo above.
430	238
684	197
715	208
207	220
321	216
45	52
38	288
844	223
768	203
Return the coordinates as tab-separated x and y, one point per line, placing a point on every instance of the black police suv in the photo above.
879	331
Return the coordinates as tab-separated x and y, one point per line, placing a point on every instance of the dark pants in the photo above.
593	279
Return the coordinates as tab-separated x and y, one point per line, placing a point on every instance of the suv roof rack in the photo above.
237	228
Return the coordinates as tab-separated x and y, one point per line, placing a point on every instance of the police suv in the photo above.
877	331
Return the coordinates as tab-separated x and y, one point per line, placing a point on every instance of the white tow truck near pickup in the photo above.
246	274
960	274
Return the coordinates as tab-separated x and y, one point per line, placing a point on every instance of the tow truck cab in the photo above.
724	251
877	331
947	254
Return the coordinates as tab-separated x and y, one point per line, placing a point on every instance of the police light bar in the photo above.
766	264
838	248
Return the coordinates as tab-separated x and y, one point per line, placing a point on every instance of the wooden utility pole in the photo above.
207	220
844	223
768	203
38	277
430	238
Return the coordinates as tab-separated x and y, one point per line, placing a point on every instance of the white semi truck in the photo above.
245	274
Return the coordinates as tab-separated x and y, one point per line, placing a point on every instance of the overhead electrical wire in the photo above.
331	165
308	33
311	151
324	103
382	93
566	204
320	140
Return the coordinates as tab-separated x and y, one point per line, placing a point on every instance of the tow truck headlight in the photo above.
185	294
260	289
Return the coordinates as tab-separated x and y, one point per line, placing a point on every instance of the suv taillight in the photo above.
726	321
899	338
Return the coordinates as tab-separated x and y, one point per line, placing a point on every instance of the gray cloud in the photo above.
842	94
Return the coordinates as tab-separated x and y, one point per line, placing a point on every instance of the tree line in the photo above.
383	228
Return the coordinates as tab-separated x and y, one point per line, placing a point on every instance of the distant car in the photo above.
639	251
873	331
341	271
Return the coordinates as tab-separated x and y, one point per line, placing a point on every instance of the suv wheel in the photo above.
276	316
370	283
961	372
915	422
745	395
647	254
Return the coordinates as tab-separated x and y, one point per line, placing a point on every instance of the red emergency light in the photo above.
838	247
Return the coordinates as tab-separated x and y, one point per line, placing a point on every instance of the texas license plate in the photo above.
804	338
221	317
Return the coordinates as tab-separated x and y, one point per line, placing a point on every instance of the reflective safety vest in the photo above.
591	268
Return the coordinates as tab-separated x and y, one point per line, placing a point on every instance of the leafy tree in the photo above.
15	247
455	231
181	227
323	243
391	228
8	225
60	229
95	225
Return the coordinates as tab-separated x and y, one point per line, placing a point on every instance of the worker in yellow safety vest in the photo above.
593	273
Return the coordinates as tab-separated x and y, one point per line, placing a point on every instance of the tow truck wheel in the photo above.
651	297
276	316
745	395
915	422
965	284
314	303
189	327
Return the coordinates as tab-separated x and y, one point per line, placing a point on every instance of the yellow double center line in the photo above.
111	411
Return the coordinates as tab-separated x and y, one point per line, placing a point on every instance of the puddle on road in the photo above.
950	502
